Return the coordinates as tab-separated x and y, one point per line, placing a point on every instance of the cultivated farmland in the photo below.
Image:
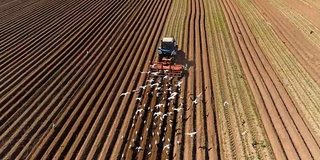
74	81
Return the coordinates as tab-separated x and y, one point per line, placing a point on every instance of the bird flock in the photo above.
159	109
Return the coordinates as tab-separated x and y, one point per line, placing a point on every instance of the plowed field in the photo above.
74	81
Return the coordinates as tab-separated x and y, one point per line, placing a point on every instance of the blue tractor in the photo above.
166	64
168	50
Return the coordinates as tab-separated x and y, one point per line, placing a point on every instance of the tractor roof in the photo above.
168	39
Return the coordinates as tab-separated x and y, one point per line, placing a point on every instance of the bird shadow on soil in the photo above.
181	59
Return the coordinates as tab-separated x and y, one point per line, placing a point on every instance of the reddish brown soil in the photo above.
64	65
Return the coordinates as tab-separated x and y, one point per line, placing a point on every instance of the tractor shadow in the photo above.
181	59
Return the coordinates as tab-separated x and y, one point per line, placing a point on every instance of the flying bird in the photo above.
166	147
153	65
143	87
155	73
195	102
139	110
136	90
158	114
177	109
124	94
159	105
145	72
178	84
171	98
150	80
191	134
139	148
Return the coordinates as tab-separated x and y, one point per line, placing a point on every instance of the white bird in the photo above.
195	102
145	72
150	80
156	142
139	111
164	115
178	84
156	84
185	67
143	87
141	138
159	105
139	148
124	94
153	65
191	134
171	98
158	94
53	126
166	147
158	114
225	103
177	109
87	52
139	98
166	77
244	133
149	153
136	90
173	94
155	73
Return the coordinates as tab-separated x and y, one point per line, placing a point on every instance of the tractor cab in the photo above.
168	48
166	59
